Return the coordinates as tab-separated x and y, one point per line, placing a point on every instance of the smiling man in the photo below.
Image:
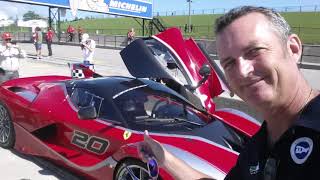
259	55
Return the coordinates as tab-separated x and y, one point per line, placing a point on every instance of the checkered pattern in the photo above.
77	73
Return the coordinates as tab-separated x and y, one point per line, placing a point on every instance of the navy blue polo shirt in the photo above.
296	155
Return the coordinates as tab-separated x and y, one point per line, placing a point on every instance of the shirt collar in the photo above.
310	115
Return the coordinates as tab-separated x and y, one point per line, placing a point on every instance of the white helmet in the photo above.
85	37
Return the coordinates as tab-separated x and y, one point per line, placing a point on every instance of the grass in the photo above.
305	24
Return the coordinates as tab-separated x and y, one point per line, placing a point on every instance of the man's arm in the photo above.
176	167
180	170
90	47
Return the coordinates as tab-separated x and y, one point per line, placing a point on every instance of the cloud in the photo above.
3	16
14	10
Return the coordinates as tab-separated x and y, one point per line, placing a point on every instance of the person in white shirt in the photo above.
10	54
88	47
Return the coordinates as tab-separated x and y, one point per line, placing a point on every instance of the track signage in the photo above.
134	8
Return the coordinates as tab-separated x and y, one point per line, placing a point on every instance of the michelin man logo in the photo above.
301	149
89	5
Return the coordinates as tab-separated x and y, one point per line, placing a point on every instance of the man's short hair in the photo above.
279	24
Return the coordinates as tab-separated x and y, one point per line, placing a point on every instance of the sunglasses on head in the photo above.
153	168
7	40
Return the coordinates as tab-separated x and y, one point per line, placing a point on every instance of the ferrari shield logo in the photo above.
126	135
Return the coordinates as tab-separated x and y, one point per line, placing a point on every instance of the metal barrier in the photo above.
310	58
116	41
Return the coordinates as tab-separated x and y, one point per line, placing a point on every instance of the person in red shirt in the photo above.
130	36
49	37
80	33
70	32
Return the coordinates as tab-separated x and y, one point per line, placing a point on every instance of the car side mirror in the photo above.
204	71
88	112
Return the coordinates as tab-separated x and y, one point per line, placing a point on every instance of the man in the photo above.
38	42
9	58
70	32
131	35
49	37
88	46
80	33
259	55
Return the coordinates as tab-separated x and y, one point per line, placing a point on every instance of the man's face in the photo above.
257	64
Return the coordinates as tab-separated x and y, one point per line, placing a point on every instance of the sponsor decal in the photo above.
301	149
126	135
254	169
126	6
89	5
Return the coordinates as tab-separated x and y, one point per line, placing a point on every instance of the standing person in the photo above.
259	55
70	32
9	58
130	36
80	33
38	42
49	37
88	47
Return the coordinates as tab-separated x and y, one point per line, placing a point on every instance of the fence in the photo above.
309	8
116	41
311	53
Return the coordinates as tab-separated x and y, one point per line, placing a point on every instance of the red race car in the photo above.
92	126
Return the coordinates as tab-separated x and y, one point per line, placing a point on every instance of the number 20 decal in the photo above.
91	143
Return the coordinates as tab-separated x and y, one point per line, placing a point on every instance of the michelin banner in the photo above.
134	8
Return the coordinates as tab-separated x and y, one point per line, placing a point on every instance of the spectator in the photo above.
38	42
80	33
88	47
130	36
9	58
49	37
185	28
70	32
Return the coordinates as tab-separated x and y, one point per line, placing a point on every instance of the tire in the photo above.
7	133
136	166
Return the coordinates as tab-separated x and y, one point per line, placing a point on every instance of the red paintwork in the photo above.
238	122
51	108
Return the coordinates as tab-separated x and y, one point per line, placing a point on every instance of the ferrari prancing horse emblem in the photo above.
126	135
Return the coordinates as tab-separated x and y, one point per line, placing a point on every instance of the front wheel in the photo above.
7	134
132	169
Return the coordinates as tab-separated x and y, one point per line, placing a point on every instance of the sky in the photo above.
17	10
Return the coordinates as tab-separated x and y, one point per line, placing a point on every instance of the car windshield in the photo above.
156	111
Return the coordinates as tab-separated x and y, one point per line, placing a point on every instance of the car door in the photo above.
168	56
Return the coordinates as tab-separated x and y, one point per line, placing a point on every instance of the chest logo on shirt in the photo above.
254	169
301	149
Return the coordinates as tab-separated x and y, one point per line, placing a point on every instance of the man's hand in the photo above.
178	169
151	148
